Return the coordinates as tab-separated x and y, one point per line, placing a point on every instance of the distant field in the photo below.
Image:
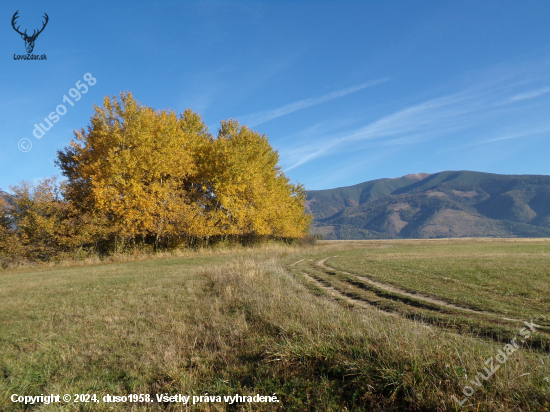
507	277
379	325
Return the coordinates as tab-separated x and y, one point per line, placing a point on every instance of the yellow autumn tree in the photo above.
136	166
251	195
44	224
10	244
162	178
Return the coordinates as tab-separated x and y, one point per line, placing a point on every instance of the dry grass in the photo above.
236	321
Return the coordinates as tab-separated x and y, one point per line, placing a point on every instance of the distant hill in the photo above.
445	204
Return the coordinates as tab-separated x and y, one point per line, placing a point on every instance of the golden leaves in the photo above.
152	173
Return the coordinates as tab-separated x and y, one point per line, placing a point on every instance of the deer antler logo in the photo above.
29	40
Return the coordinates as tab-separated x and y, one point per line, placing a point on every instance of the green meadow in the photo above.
393	325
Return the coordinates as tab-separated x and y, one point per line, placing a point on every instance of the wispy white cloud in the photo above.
330	176
475	106
435	116
531	94
528	133
256	119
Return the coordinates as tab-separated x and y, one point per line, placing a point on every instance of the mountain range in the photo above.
445	204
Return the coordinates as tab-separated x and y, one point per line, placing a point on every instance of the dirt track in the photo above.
336	293
388	288
393	289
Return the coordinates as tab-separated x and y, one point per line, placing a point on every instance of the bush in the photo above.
306	240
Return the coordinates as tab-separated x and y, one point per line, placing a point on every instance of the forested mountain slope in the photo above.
445	204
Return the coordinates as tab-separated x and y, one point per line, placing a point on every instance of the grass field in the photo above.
375	325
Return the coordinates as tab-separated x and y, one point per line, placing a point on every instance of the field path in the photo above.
295	263
417	296
338	294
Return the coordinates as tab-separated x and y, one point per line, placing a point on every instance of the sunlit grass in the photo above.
238	322
510	278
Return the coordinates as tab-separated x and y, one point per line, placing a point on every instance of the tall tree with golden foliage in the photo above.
252	195
136	166
156	176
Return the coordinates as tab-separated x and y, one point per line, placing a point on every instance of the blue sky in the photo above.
346	91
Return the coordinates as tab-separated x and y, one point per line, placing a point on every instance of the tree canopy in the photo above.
152	175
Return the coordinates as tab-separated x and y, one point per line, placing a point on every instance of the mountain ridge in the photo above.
445	204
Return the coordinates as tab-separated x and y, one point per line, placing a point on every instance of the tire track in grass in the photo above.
334	292
295	263
339	293
418	296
